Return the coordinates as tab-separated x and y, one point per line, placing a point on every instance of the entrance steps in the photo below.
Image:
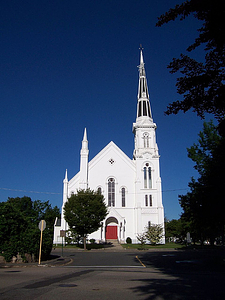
115	244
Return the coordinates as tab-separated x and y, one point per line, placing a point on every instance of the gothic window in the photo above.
146	200
146	140
149	114
99	191
139	109
147	176
144	108
123	197
150	200
111	192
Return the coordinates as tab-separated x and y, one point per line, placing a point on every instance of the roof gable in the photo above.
112	147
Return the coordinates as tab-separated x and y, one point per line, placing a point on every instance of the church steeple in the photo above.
144	128
143	106
83	184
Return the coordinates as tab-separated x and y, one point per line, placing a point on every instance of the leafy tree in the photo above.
84	212
203	207
173	229
203	83
72	237
202	153
154	233
141	237
19	233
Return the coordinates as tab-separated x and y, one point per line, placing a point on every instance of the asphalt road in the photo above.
120	275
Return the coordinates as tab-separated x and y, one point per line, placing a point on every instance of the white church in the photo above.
131	187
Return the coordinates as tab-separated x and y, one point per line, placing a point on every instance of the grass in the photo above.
126	246
81	246
147	246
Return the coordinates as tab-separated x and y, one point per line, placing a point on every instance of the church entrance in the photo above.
111	229
111	233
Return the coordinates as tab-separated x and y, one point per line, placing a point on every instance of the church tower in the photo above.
146	157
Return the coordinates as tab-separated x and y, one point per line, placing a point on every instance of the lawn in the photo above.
146	247
125	246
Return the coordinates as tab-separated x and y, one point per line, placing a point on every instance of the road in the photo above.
120	275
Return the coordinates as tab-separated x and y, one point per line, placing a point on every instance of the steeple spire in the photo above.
85	141
83	184
144	128
66	177
143	107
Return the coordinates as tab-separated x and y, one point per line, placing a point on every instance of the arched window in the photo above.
99	191
146	200
147	176
123	197
146	140
144	108
111	192
150	200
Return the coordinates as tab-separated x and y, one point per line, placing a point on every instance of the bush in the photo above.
154	233
142	239
19	232
129	240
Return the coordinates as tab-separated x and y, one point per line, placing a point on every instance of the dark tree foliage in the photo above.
203	152
203	207
173	229
84	212
19	232
203	83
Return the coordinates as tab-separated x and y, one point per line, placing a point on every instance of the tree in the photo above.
202	153
173	229
203	207
141	237
154	233
203	83
19	233
84	212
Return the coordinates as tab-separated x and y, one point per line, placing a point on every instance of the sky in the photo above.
67	65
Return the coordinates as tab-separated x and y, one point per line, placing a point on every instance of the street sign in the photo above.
42	225
62	233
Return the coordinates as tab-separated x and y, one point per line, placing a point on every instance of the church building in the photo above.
131	187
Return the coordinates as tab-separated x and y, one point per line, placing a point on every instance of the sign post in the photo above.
62	235
41	226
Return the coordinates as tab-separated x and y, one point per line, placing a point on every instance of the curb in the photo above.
57	262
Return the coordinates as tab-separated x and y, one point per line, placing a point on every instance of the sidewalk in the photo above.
54	262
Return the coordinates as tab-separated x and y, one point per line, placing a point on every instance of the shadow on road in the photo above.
183	274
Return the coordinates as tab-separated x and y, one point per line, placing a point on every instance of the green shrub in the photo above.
129	240
19	232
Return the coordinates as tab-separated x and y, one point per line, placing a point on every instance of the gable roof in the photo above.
112	147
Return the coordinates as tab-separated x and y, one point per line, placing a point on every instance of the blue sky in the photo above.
67	65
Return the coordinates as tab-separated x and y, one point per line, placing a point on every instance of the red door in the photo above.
111	233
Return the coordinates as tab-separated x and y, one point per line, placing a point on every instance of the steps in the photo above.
115	244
